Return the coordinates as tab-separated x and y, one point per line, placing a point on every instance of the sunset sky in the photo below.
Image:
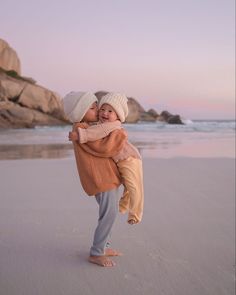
168	54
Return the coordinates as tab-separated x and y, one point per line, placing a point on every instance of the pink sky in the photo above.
174	55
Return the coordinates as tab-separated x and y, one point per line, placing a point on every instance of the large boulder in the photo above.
41	99
23	104
9	59
149	116
10	88
170	118
13	115
134	111
153	113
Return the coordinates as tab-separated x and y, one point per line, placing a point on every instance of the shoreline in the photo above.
184	245
199	139
65	151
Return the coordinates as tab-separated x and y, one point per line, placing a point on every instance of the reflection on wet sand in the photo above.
33	151
147	148
51	151
163	149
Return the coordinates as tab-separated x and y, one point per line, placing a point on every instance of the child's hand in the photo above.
73	136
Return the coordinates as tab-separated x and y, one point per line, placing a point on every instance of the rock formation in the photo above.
170	118
25	104
8	58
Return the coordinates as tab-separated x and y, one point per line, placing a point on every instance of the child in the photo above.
113	107
99	176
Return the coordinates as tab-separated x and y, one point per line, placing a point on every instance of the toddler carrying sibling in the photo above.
113	109
99	176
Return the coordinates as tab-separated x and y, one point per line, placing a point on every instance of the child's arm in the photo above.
73	135
107	147
98	131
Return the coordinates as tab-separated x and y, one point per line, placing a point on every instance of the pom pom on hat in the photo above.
76	104
119	102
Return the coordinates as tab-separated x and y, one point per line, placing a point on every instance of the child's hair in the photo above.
76	104
118	101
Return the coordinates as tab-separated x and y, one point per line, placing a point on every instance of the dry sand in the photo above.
184	246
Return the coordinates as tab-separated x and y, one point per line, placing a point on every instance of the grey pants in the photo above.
108	209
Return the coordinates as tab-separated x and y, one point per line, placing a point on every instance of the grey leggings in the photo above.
108	209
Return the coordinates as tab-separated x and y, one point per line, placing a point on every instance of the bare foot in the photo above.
112	252
132	221
101	261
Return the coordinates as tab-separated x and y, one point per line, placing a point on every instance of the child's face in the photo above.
92	114
107	113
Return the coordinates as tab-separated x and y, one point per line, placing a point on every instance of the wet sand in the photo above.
184	245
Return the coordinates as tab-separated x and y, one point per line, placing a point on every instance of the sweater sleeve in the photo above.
99	131
108	146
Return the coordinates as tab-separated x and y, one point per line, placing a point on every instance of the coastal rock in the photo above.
175	119
153	113
10	88
149	116
41	99
13	115
146	117
23	104
9	59
170	118
135	109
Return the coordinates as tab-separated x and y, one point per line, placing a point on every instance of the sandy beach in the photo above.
184	245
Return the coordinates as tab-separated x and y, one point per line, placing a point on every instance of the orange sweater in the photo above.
97	171
101	130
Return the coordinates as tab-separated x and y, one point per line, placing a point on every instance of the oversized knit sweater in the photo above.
97	171
129	164
101	130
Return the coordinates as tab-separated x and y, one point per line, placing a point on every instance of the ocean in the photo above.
200	138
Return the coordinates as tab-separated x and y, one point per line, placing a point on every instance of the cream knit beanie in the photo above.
76	104
119	102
